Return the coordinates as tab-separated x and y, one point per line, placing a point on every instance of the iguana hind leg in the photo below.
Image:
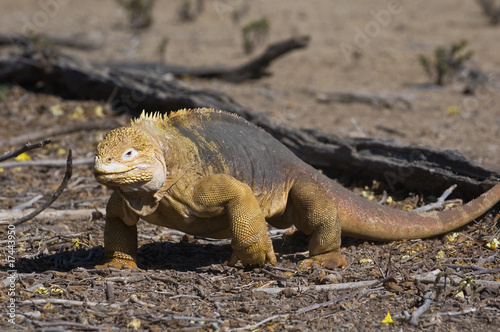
316	215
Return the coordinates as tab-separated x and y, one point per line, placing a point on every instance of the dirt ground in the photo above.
184	283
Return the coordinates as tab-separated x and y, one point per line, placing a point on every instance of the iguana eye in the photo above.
129	154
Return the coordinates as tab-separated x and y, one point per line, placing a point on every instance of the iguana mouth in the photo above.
100	172
111	169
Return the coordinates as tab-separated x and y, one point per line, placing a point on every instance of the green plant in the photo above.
190	10
139	12
491	10
162	49
447	62
3	91
254	33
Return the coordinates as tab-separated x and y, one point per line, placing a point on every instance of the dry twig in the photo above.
47	163
440	202
54	215
413	318
64	183
316	288
25	148
62	130
254	326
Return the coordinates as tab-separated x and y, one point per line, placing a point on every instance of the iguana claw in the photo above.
329	260
119	264
257	254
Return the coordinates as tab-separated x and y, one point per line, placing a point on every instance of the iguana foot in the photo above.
119	264
329	260
257	254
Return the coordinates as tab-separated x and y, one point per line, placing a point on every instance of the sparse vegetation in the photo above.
255	33
491	9
162	49
4	89
191	9
447	62
139	12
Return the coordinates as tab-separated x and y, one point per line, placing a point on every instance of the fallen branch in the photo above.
254	69
64	183
441	202
324	304
413	318
320	288
62	130
46	163
66	302
255	326
25	148
6	217
59	324
429	277
391	100
458	313
76	43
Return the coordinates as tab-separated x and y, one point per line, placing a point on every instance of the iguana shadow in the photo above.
181	256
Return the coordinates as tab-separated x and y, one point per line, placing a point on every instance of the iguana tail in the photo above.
364	219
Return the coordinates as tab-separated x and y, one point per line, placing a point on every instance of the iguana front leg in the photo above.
248	226
120	239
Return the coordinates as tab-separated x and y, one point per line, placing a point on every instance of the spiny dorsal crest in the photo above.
159	117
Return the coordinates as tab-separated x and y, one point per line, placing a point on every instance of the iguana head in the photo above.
126	159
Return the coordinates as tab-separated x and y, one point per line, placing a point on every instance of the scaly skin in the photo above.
213	174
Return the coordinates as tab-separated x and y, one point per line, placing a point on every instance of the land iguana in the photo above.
213	174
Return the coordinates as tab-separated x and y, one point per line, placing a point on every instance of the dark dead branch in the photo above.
376	100
25	148
20	40
253	69
418	168
62	186
62	130
413	318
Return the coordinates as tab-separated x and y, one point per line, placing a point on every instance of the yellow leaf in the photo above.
42	290
56	110
22	157
48	306
77	113
440	254
453	110
493	243
365	261
2	170
99	111
134	323
76	242
452	237
56	290
388	319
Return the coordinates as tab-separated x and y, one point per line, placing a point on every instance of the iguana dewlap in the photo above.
213	174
